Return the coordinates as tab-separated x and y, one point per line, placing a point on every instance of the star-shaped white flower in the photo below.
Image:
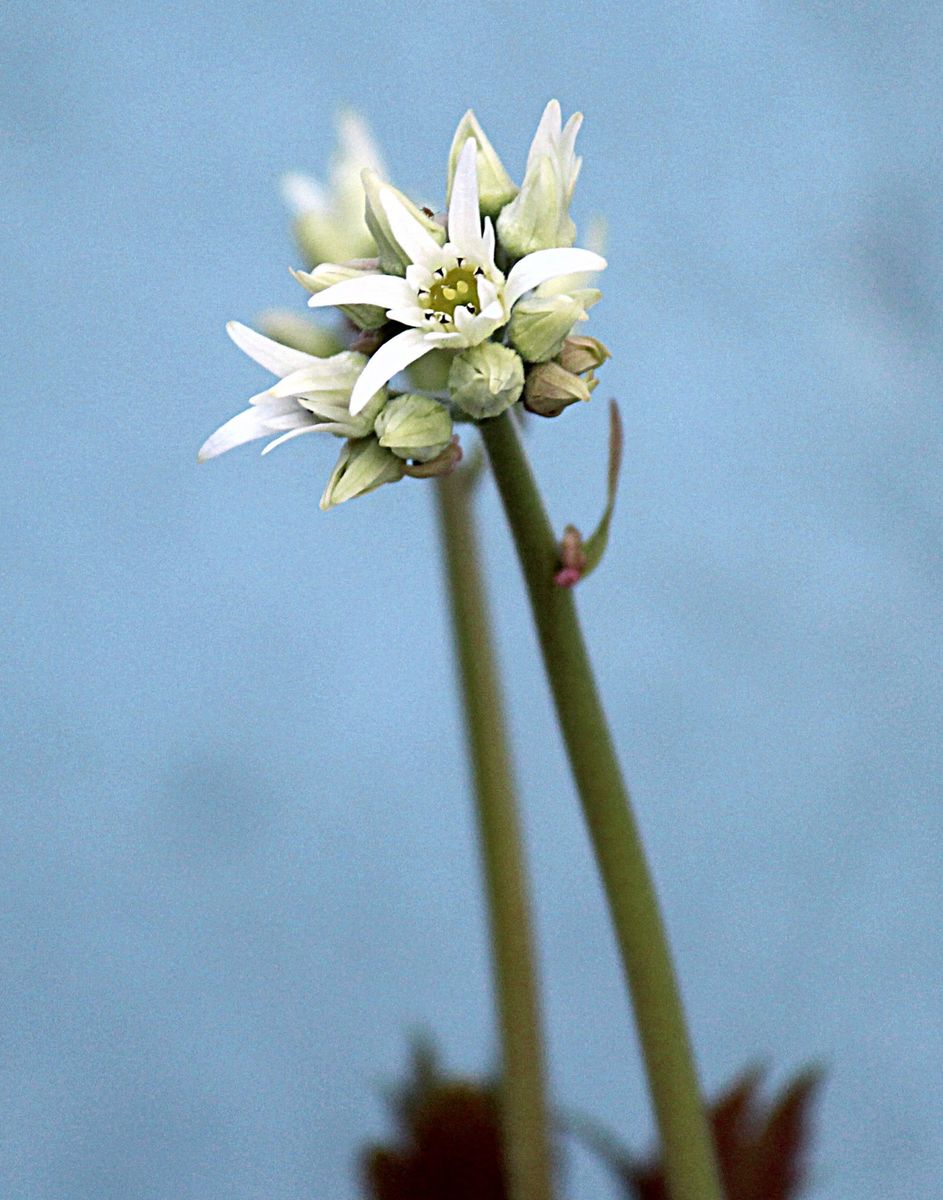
453	295
312	395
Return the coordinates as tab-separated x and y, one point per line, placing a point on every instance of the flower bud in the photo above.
414	427
486	380
393	259
329	221
581	354
363	466
444	463
287	327
550	389
495	186
540	324
322	237
539	217
364	316
431	372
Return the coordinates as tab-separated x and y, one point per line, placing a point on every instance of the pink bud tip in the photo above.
567	577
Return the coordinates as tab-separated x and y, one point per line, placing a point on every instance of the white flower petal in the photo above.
418	245
392	357
464	217
408	316
245	427
462	319
446	341
385	291
534	268
419	278
280	360
273	404
487	292
548	133
487	240
292	433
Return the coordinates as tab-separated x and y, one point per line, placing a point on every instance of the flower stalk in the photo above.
523	1088
690	1162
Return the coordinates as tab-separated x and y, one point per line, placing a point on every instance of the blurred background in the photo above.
237	857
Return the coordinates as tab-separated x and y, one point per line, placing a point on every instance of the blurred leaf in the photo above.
762	1148
578	557
447	1144
595	545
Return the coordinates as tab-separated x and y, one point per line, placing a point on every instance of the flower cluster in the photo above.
476	309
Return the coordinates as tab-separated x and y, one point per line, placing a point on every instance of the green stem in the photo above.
687	1144
523	1094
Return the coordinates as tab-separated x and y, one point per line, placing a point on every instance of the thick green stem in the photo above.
524	1104
687	1144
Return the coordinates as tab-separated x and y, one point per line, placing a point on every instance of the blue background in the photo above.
236	851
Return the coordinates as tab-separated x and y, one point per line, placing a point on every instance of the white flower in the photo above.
312	395
453	295
330	223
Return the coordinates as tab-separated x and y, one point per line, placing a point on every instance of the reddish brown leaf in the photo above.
762	1149
447	1145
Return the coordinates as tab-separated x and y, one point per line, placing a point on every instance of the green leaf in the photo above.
595	546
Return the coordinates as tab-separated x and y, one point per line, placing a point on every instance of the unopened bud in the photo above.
431	372
539	217
550	389
364	316
495	186
443	464
393	258
572	558
414	427
322	237
287	327
580	354
486	380
540	324
363	466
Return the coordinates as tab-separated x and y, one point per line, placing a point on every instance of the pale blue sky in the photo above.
235	839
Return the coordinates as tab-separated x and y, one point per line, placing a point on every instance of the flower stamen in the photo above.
456	288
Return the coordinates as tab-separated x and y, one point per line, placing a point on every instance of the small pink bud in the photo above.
572	558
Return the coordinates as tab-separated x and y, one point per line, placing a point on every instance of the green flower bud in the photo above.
363	466
393	259
364	316
431	372
550	389
539	217
581	354
495	186
540	324
486	380
323	237
287	327
444	463
414	427
329	221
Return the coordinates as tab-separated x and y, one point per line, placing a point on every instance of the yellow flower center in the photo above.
457	288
